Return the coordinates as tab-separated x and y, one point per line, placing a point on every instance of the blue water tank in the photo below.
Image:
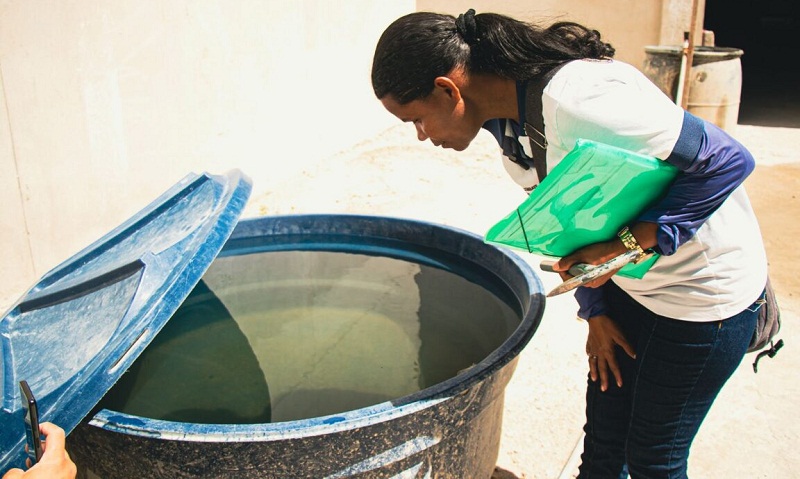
87	321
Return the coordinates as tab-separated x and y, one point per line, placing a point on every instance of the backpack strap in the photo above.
534	121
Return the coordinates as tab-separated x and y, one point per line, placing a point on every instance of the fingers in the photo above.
565	269
557	266
602	365
14	474
54	440
600	281
563	265
599	368
621	342
614	367
55	462
601	346
55	458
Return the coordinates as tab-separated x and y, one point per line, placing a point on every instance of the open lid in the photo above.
80	327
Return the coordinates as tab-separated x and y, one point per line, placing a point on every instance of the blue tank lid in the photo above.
80	327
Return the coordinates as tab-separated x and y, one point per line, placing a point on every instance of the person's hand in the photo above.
55	462
604	335
594	254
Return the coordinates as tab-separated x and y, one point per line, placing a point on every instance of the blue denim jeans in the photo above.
646	427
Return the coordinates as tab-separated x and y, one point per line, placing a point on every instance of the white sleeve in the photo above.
609	102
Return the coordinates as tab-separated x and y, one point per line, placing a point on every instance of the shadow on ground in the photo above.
500	473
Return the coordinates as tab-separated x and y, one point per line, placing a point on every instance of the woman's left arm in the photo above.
712	165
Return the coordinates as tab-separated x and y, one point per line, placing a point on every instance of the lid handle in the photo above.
79	287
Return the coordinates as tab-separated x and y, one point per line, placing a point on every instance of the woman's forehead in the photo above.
406	112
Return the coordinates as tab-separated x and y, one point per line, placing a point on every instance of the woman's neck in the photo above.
491	96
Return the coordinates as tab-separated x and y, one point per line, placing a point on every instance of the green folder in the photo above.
587	198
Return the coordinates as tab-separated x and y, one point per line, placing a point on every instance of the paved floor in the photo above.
751	432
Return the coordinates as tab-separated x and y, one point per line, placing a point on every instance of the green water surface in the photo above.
279	336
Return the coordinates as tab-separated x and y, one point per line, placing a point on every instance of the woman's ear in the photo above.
448	87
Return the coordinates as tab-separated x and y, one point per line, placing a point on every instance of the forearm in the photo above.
646	234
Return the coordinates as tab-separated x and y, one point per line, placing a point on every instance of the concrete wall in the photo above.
676	19
106	104
627	24
103	105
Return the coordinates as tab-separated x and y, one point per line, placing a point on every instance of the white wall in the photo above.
106	104
628	25
103	105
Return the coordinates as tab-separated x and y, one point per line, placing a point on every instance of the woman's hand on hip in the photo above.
604	336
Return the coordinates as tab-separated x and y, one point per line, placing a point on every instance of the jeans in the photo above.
646	427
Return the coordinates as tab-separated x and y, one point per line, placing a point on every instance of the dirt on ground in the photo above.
775	195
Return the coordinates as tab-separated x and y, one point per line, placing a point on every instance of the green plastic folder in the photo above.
587	198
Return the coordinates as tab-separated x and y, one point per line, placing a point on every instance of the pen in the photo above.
588	273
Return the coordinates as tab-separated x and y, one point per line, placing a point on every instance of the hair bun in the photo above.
467	28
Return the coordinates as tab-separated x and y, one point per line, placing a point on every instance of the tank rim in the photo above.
532	302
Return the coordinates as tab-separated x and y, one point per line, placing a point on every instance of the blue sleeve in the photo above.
590	302
713	164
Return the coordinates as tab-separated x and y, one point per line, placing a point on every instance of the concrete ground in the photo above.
753	428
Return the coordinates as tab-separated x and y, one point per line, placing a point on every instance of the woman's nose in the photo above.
421	136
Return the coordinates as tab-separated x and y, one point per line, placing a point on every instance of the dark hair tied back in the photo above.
467	28
584	41
419	47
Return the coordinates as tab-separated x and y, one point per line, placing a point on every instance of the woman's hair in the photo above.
418	47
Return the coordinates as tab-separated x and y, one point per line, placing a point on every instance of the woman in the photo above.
660	348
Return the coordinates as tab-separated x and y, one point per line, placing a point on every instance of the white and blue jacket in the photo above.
713	262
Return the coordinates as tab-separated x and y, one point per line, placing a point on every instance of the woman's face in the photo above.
440	117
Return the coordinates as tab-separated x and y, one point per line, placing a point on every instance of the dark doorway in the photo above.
767	32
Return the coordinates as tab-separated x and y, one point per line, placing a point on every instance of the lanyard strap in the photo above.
533	121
